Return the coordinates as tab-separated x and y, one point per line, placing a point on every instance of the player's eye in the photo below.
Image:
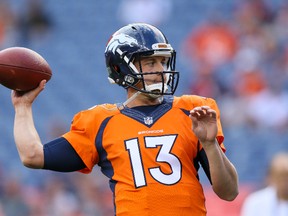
164	63
149	63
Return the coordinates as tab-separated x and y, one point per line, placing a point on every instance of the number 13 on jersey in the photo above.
164	155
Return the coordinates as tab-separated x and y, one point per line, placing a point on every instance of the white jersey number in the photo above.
164	156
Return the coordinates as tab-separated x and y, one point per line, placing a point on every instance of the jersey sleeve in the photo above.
82	138
190	101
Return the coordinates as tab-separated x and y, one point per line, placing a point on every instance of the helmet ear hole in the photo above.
116	68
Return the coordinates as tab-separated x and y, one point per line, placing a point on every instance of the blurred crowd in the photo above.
24	26
242	62
57	195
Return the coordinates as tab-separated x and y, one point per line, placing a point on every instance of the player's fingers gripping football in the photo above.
28	97
204	123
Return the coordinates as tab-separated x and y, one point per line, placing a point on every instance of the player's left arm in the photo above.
224	176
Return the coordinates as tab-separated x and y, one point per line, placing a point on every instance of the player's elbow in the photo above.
32	160
30	164
228	195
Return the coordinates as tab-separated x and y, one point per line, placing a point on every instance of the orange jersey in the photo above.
152	161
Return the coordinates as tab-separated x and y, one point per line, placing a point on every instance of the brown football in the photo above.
22	69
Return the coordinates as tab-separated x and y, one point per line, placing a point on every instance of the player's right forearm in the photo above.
27	140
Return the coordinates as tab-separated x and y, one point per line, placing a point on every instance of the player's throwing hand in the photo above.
27	97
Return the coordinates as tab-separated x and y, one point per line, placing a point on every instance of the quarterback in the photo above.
151	146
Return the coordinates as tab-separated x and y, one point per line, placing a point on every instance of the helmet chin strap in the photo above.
133	97
148	87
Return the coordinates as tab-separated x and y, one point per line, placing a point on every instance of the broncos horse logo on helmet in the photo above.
120	39
133	42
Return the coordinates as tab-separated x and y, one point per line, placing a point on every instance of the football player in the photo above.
150	146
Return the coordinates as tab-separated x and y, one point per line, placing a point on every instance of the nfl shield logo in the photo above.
148	120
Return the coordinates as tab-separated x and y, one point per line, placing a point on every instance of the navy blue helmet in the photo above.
133	42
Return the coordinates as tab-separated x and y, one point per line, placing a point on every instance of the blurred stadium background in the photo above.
235	51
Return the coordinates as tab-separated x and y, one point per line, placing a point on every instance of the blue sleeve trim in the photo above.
60	156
